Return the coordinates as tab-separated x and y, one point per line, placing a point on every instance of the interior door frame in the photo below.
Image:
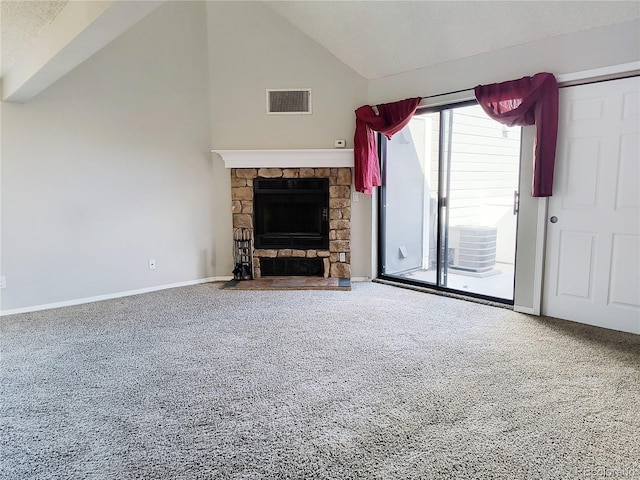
614	72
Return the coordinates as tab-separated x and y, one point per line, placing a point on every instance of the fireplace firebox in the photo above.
291	213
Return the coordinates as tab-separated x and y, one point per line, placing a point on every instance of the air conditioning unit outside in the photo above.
472	248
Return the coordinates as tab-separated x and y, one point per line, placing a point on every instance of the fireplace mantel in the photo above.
307	158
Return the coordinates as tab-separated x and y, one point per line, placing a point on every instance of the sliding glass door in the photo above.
449	203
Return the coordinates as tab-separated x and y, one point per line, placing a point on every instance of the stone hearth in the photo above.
339	215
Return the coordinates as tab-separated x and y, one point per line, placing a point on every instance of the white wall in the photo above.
251	48
591	49
110	167
599	47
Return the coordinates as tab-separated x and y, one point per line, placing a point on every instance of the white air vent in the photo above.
292	101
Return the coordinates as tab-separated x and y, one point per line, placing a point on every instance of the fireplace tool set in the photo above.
242	254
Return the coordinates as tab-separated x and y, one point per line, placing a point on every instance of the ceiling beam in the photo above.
78	31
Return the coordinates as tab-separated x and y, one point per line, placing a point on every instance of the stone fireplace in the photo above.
306	254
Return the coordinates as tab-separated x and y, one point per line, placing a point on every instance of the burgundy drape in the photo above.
528	101
391	118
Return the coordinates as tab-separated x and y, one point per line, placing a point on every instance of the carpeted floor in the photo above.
376	383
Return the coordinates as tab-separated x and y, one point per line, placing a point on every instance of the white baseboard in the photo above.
360	279
109	296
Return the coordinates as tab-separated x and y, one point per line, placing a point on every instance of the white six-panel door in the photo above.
592	262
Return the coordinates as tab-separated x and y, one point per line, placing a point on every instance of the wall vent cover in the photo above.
291	101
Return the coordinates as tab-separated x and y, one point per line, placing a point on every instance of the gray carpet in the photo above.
376	383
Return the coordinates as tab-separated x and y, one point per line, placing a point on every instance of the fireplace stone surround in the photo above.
339	215
334	164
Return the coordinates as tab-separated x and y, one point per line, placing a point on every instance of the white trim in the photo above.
448	99
360	279
599	72
374	233
109	296
541	242
307	158
527	310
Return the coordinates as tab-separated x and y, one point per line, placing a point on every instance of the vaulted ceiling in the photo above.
374	38
21	23
381	38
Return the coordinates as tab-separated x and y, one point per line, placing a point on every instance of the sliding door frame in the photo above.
528	278
442	212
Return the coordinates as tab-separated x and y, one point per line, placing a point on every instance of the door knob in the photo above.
553	219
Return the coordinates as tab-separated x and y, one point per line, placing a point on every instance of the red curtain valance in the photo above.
528	101
390	119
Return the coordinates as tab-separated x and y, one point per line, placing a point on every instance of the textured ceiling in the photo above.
381	38
21	22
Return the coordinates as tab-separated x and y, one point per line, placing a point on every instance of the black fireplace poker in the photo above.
243	254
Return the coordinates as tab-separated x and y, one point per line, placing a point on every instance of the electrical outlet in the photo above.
355	197
3	282
152	264
340	143
343	257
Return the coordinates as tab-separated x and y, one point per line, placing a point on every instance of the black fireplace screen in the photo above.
291	213
285	215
